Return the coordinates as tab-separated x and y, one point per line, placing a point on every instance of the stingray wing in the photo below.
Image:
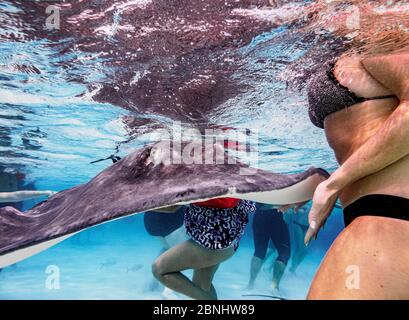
136	184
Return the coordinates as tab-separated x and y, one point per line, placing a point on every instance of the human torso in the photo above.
349	128
217	228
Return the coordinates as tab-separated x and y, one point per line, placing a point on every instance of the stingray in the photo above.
152	177
160	57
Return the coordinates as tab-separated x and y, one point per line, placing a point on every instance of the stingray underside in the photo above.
139	183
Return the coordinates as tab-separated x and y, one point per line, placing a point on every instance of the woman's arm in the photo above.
391	141
23	195
392	71
389	144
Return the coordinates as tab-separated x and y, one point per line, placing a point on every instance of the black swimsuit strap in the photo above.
380	97
379	205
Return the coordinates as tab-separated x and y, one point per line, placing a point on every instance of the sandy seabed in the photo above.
124	272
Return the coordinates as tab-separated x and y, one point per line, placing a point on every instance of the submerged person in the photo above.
298	226
361	99
167	228
367	126
269	224
214	228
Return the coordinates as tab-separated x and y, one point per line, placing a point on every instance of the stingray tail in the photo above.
112	157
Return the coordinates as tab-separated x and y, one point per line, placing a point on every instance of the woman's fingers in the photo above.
312	219
311	232
322	204
317	219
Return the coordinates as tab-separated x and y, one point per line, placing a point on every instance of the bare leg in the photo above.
154	284
279	268
297	259
300	250
255	267
187	255
204	278
368	260
281	239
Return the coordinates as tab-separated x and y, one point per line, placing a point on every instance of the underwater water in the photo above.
113	261
54	121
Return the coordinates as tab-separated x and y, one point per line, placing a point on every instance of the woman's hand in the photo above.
323	203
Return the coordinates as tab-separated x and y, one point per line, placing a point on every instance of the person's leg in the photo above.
176	237
299	248
272	250
155	284
261	239
255	267
204	278
368	260
280	236
187	255
278	272
164	244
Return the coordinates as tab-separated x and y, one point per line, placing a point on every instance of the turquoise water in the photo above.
52	127
113	261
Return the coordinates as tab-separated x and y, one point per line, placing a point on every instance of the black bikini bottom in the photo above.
377	205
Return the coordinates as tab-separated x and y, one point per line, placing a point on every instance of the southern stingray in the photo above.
153	177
